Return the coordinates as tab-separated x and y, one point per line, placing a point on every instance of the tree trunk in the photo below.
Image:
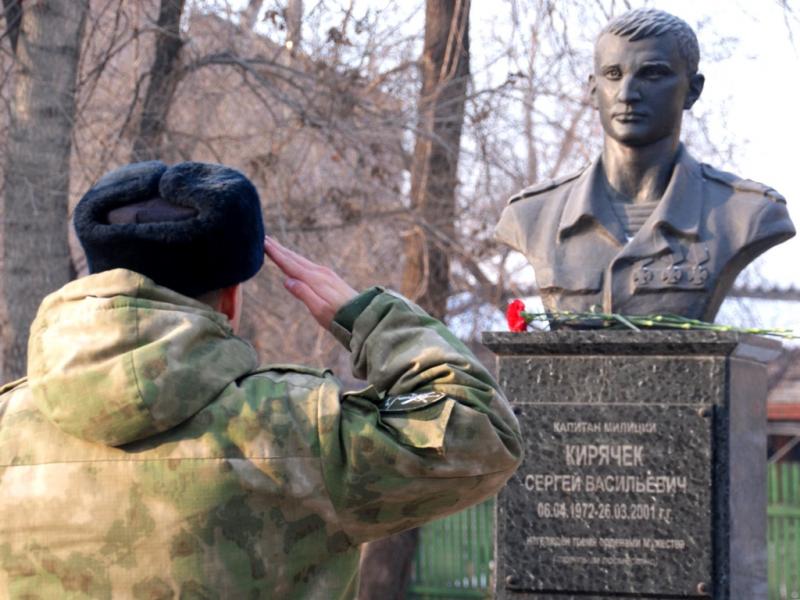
36	254
248	18
445	71
164	77
13	14
386	567
386	564
294	24
528	107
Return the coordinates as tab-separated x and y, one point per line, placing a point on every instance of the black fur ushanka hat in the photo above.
193	227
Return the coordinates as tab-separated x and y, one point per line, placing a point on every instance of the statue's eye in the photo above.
655	71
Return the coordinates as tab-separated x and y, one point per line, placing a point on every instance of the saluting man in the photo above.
148	455
645	228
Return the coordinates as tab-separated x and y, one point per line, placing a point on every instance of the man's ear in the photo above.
696	83
230	304
593	90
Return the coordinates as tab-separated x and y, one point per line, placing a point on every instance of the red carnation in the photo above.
516	322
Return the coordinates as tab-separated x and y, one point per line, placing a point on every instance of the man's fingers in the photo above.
319	308
298	258
288	258
318	287
322	280
280	256
292	263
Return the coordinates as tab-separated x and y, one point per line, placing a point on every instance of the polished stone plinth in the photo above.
645	467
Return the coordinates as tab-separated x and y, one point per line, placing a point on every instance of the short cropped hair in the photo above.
643	23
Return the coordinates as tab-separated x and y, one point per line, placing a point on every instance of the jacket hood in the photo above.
114	357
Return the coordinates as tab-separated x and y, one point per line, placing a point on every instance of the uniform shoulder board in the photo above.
11	385
742	185
544	186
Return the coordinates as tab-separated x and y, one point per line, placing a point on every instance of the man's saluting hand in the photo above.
319	288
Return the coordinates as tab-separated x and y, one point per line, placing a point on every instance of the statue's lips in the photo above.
629	117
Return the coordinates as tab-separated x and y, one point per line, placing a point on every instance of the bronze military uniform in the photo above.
706	228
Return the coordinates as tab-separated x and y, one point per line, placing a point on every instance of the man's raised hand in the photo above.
319	288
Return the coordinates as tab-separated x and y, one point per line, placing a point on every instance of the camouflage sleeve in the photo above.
430	435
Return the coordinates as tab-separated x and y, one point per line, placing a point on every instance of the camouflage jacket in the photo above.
148	456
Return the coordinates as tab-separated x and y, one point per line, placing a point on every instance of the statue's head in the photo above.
645	76
644	23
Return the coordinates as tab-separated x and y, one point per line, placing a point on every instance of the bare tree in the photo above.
434	175
386	564
294	24
13	15
163	80
249	15
36	253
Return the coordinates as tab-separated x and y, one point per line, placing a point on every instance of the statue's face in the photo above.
641	88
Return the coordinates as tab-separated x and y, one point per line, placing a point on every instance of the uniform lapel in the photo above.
677	214
674	222
587	204
676	219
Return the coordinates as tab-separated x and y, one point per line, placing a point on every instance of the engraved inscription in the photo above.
622	455
616	497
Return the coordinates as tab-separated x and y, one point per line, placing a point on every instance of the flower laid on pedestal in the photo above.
518	320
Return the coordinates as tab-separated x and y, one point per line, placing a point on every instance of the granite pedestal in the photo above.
645	467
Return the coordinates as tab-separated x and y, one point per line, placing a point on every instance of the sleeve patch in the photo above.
408	402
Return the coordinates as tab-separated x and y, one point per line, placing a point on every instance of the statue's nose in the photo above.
629	90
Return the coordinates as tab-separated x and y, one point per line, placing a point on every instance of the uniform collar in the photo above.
679	210
681	207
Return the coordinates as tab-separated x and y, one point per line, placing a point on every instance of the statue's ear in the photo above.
696	83
593	90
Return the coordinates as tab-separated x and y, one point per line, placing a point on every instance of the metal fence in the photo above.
783	531
454	556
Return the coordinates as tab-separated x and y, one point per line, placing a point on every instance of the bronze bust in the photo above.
645	228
